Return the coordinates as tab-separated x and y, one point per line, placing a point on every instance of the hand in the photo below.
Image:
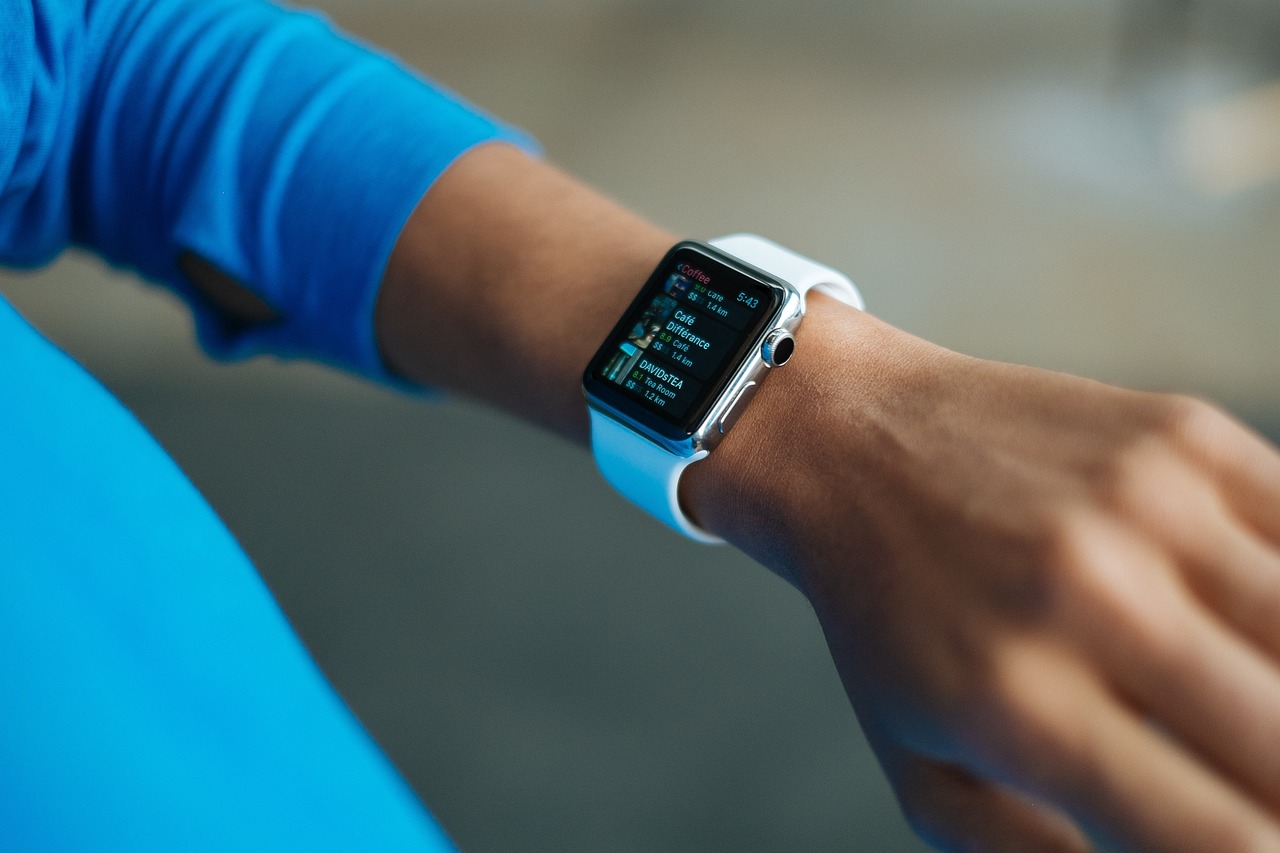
1054	604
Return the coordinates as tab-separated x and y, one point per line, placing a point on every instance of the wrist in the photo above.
831	408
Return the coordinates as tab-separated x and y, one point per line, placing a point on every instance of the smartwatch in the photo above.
683	363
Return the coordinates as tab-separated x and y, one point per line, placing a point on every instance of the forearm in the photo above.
505	281
510	274
1017	571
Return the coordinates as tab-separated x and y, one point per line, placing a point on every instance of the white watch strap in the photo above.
646	473
649	475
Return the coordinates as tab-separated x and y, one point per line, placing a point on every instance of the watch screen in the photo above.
680	341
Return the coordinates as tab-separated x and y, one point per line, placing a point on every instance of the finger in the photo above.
1237	576
1254	492
1127	783
1248	467
955	811
1230	567
1207	686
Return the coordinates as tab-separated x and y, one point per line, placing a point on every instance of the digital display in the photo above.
689	326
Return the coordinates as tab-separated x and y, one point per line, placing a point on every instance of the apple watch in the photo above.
686	358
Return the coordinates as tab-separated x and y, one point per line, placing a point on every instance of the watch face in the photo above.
678	345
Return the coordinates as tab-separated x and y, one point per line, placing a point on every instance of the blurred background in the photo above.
1087	186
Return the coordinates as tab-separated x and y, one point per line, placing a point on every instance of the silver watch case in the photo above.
724	412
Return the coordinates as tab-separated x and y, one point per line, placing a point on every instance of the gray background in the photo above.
552	671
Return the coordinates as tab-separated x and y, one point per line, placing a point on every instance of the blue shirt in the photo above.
152	695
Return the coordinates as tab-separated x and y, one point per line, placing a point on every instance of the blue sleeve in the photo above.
254	138
152	695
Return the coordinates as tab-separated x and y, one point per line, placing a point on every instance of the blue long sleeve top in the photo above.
152	696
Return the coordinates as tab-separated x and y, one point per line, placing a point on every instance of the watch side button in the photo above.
737	407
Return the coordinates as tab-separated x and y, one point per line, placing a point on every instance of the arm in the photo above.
1015	569
249	157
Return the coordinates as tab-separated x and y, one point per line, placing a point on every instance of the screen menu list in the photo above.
682	339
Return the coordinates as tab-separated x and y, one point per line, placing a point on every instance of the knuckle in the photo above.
1057	562
1135	474
1190	423
1099	578
1138	470
1067	541
1072	551
1024	724
1046	745
1128	478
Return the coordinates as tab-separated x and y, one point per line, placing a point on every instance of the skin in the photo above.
1054	604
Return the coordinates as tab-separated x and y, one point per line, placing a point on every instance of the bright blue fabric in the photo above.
152	696
286	156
